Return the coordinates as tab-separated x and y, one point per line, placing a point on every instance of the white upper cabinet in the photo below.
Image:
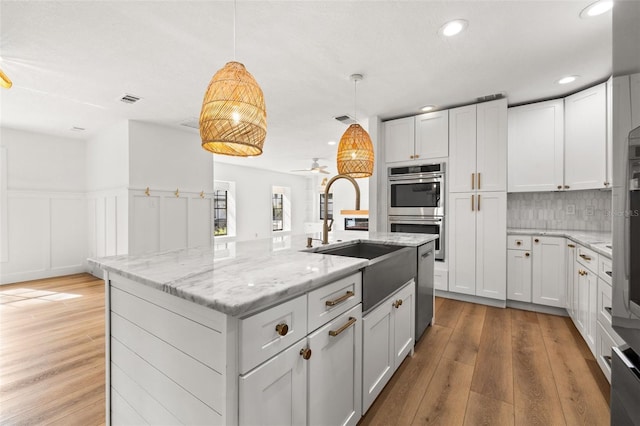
462	149
478	147
536	147
432	135
491	151
399	137
586	139
417	138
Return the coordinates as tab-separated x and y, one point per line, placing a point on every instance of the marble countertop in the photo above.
237	278
596	241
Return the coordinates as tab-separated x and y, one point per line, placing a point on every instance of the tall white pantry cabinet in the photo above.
478	200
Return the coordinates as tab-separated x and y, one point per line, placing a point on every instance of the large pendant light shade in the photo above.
233	119
355	153
5	81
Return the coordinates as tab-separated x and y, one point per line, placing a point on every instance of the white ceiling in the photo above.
70	62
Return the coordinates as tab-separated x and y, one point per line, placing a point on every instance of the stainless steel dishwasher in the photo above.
424	288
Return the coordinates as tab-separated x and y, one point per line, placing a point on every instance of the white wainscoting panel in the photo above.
200	222
68	231
173	234
145	224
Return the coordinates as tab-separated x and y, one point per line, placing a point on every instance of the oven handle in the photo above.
414	221
416	179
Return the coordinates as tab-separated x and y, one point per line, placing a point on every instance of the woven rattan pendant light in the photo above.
355	151
233	119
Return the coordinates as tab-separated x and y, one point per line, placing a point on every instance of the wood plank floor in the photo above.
479	365
476	365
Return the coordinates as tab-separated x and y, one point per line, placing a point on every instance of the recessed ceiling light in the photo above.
427	108
331	142
597	8
454	27
568	79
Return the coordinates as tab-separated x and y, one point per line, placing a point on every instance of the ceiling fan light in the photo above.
355	153
5	81
233	119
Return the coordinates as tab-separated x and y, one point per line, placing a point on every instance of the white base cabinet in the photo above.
388	337
548	274
519	275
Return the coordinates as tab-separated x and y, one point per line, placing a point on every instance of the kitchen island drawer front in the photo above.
267	333
605	269
518	242
329	301
588	258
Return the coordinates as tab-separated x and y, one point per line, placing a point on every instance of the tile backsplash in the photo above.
579	210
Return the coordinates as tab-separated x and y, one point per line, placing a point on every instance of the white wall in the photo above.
253	198
44	209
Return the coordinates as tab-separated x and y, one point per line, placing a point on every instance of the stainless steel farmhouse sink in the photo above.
389	268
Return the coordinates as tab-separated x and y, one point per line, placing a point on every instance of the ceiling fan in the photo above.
315	168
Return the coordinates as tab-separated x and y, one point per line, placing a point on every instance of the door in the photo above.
519	275
536	147
586	139
399	138
491	160
403	308
335	371
462	149
548	271
377	353
570	262
462	251
432	135
275	393
491	245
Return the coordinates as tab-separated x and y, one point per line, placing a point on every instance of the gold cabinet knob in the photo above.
412	156
397	303
282	329
518	243
527	254
536	240
417	156
559	186
566	187
305	353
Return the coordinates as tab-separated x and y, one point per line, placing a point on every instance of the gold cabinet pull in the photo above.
479	182
340	299
305	353
473	181
282	329
478	202
397	303
571	246
473	202
527	254
334	333
585	257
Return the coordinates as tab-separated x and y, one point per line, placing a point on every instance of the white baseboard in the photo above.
18	277
552	310
471	299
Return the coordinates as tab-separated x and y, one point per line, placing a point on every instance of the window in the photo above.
329	207
220	212
277	206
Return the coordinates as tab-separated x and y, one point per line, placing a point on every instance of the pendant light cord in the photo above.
234	30
355	97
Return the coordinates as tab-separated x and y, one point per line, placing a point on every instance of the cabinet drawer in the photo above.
265	334
588	258
604	269
518	242
326	303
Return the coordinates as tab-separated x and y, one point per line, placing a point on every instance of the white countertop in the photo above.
240	277
596	241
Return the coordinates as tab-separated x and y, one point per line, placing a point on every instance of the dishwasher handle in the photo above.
427	254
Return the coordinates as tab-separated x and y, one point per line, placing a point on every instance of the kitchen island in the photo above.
194	332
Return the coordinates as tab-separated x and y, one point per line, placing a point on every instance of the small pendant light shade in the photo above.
5	81
355	153
233	119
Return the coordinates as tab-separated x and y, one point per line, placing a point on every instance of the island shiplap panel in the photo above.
122	413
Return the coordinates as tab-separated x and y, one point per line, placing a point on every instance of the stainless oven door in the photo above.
421	225
417	197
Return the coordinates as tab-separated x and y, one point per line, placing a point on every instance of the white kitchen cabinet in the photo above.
549	273
275	393
536	147
634	86
586	139
423	137
570	263
399	139
388	336
432	135
477	232
519	275
587	289
478	147
335	371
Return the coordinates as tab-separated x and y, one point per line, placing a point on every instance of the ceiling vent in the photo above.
345	119
78	129
192	122
493	97
129	99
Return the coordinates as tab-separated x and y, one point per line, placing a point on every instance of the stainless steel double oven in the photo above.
416	201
